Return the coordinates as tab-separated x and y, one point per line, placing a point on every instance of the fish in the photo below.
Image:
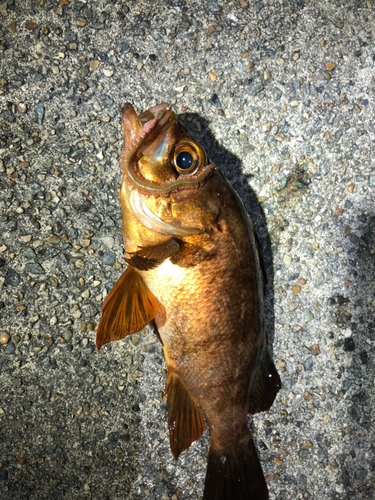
195	271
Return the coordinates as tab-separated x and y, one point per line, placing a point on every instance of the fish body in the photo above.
196	270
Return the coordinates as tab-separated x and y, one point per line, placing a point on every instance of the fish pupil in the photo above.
184	160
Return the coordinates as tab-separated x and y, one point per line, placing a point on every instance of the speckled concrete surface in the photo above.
281	94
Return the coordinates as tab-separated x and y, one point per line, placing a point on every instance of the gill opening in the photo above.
146	217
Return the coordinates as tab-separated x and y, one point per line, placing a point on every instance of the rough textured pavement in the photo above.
281	94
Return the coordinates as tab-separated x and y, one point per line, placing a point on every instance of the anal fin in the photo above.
185	419
128	308
265	383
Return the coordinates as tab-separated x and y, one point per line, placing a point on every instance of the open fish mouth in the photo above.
146	217
153	122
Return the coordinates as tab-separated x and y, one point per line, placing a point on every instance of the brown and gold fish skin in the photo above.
195	269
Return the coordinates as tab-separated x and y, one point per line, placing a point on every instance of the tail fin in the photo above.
236	475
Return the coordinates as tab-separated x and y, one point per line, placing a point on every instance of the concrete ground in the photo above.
281	94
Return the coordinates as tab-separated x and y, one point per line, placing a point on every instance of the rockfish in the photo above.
195	268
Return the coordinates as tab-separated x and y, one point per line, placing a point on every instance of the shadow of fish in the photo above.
195	269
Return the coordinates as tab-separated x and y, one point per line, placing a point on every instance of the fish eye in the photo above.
188	156
184	160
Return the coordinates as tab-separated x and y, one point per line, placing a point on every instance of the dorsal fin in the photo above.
185	419
128	308
262	262
265	383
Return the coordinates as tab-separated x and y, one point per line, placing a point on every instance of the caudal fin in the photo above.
235	476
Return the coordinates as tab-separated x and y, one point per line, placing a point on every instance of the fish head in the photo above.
168	186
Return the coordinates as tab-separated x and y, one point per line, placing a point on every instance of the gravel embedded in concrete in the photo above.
281	94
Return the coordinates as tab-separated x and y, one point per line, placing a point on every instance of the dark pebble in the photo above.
302	482
354	412
34	268
36	77
12	278
2	262
162	489
152	57
4	475
109	258
277	94
50	450
349	344
363	357
125	47
216	101
10	349
309	364
11	225
214	7
29	253
258	7
255	89
39	110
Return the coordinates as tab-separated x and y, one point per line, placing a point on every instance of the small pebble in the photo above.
4	338
94	65
12	27
287	260
314	349
54	239
31	26
330	66
22	108
212	75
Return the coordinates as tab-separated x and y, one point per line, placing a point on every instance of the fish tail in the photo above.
235	475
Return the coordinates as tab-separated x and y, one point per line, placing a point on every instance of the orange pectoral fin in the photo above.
146	258
185	419
128	308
